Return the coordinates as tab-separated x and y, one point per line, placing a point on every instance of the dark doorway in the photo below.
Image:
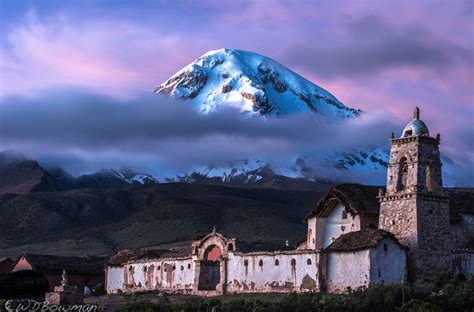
210	273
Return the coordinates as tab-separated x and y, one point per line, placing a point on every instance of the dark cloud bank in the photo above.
370	45
85	132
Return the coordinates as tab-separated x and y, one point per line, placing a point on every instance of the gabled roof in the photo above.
357	198
85	265
364	239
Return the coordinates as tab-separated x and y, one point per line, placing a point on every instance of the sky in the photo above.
67	62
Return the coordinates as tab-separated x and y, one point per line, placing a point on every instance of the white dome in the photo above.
416	127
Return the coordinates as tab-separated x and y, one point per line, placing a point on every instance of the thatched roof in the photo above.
176	252
364	239
85	265
243	246
127	255
461	201
124	256
357	198
362	199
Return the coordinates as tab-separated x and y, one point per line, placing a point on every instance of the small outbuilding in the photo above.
363	258
82	271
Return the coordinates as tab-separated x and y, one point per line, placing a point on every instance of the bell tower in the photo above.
414	206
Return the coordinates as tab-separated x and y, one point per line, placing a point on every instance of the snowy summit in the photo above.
252	83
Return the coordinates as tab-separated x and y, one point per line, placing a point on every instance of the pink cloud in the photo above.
113	57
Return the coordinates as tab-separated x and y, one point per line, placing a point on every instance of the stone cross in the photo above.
64	278
416	113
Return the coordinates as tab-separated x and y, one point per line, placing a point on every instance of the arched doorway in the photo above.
210	274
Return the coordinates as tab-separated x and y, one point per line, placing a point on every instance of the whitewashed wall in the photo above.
335	225
114	278
311	235
269	277
181	277
175	274
388	263
347	269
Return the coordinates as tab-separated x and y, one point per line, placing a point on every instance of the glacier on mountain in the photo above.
253	83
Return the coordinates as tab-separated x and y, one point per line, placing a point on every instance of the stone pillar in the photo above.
197	273
221	287
64	294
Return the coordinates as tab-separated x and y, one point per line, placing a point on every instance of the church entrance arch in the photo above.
209	275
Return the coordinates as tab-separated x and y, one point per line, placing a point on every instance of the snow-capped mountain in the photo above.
258	85
252	83
111	178
257	171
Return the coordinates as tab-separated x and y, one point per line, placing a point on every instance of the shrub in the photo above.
213	302
443	294
141	306
98	290
416	305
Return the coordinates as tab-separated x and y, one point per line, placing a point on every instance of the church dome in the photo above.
416	127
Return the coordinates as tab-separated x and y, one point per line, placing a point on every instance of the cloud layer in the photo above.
170	131
378	56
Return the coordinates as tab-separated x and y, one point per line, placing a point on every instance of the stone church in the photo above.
357	236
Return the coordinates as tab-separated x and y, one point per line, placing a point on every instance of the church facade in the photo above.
357	236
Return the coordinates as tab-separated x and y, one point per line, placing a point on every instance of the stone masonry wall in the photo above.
434	243
398	215
422	224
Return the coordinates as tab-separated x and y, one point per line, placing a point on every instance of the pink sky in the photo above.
380	56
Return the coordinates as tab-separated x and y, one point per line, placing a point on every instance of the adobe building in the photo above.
82	271
357	236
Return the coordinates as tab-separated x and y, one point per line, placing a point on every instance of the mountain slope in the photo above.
256	84
111	178
100	221
19	175
253	83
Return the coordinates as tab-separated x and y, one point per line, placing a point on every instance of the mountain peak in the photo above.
252	83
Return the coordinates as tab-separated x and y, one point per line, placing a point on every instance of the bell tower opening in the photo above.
429	177
402	174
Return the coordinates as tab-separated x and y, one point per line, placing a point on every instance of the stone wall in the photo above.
166	274
388	263
420	153
114	279
323	231
273	272
336	224
421	223
347	270
434	243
